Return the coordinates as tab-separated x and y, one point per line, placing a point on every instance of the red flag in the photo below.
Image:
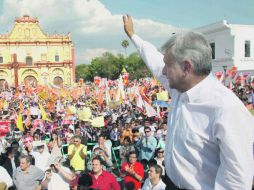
218	75
4	127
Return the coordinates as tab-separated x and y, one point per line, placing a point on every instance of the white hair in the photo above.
191	46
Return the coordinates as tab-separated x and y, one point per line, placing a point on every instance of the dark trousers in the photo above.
169	184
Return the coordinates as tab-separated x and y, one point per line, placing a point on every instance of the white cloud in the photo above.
93	27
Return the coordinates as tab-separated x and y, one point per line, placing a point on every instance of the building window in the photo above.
213	49
56	58
29	60
1	59
247	48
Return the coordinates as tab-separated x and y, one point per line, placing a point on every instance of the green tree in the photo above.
82	71
136	67
107	66
110	66
125	44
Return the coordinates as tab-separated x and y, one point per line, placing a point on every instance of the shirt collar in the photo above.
196	91
102	174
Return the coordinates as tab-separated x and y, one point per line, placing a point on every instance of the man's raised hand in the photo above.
128	25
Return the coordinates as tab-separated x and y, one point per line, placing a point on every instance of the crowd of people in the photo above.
55	139
62	148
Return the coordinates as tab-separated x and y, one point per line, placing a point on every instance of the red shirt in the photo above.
128	179
105	181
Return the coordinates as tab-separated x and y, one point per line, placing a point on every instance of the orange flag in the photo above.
28	119
21	107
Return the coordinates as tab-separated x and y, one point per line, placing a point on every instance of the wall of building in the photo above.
243	33
28	40
230	45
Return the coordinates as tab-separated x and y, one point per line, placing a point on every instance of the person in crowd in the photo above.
16	151
27	176
115	136
57	176
78	132
77	154
17	134
132	172
102	143
40	155
98	152
161	142
85	182
6	142
8	161
125	149
68	136
202	128
147	145
160	159
127	132
154	181
55	144
102	179
36	136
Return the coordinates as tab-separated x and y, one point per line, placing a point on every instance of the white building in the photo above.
232	45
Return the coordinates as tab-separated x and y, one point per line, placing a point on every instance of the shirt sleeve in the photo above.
140	170
70	149
39	174
235	135
153	144
152	57
123	167
85	150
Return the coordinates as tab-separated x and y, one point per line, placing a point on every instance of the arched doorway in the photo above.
31	80
58	81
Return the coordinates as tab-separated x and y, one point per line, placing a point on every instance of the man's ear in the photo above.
187	66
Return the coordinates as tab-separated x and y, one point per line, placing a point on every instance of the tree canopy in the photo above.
110	66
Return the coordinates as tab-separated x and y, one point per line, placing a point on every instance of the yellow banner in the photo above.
162	96
98	122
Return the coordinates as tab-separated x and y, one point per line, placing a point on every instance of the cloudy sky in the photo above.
96	25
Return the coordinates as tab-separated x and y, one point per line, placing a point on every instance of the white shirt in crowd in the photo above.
58	182
148	185
5	177
41	159
160	163
209	143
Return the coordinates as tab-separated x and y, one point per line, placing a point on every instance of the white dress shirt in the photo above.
5	177
148	185
209	143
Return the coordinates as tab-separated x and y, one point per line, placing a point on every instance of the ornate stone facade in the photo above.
27	54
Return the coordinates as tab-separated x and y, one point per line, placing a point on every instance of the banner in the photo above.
162	96
98	122
4	128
